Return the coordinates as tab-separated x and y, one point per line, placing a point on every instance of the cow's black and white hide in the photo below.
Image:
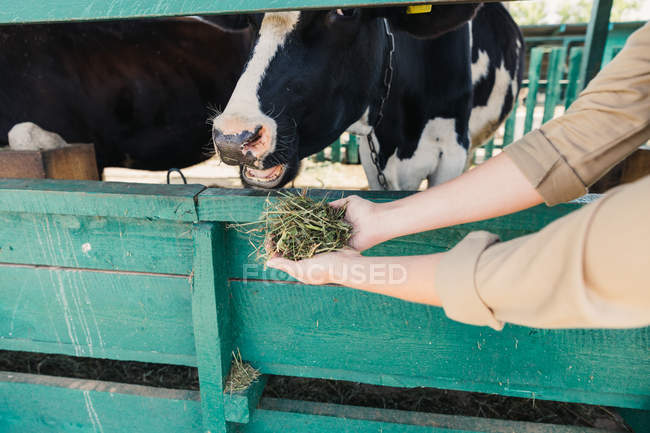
311	75
140	90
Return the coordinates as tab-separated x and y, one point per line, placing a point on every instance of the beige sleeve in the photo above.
589	269
609	120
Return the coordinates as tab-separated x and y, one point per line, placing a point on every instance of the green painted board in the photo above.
575	59
133	200
237	205
337	332
110	243
489	148
554	75
122	316
534	70
509	133
239	406
352	150
279	415
595	40
211	315
335	149
45	404
67	10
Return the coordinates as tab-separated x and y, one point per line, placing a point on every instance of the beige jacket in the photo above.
592	267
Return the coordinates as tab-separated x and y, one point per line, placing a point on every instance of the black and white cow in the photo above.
140	90
311	75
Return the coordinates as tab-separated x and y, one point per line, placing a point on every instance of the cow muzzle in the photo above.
240	147
247	143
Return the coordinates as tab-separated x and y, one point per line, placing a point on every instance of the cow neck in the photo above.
376	117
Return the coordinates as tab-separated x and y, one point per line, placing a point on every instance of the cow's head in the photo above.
310	76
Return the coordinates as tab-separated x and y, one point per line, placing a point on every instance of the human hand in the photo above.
323	268
363	215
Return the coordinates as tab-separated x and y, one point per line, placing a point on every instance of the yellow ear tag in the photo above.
418	9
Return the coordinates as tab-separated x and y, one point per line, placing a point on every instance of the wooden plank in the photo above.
211	312
237	205
76	161
124	316
489	148
534	70
554	75
320	156
239	406
335	149
172	202
74	10
352	150
337	332
274	413
33	403
575	60
509	134
112	243
245	205
595	40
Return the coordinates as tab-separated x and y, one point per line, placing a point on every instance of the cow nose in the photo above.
239	147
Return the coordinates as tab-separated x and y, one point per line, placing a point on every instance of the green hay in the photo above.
297	227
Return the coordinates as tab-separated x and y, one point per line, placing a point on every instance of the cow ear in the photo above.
428	21
231	23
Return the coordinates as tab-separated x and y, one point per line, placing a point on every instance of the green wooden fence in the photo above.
154	273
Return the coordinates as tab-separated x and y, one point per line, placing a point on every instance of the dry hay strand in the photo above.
241	375
297	227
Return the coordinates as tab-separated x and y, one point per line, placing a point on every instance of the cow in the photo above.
140	90
421	89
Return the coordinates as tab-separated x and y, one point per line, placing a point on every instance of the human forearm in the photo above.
409	278
495	188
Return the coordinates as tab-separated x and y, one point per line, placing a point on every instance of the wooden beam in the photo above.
279	415
211	316
595	40
79	10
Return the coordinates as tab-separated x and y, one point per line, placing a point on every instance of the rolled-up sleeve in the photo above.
609	120
588	269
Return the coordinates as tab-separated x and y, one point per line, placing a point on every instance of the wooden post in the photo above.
335	155
352	151
553	77
536	56
211	316
595	41
575	60
509	134
489	149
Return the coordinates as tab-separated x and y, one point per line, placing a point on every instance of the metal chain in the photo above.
388	82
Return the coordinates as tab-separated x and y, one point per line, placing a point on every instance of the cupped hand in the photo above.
363	215
323	268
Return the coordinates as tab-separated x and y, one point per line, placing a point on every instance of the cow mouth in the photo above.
266	178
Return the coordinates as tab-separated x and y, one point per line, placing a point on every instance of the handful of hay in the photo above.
297	227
